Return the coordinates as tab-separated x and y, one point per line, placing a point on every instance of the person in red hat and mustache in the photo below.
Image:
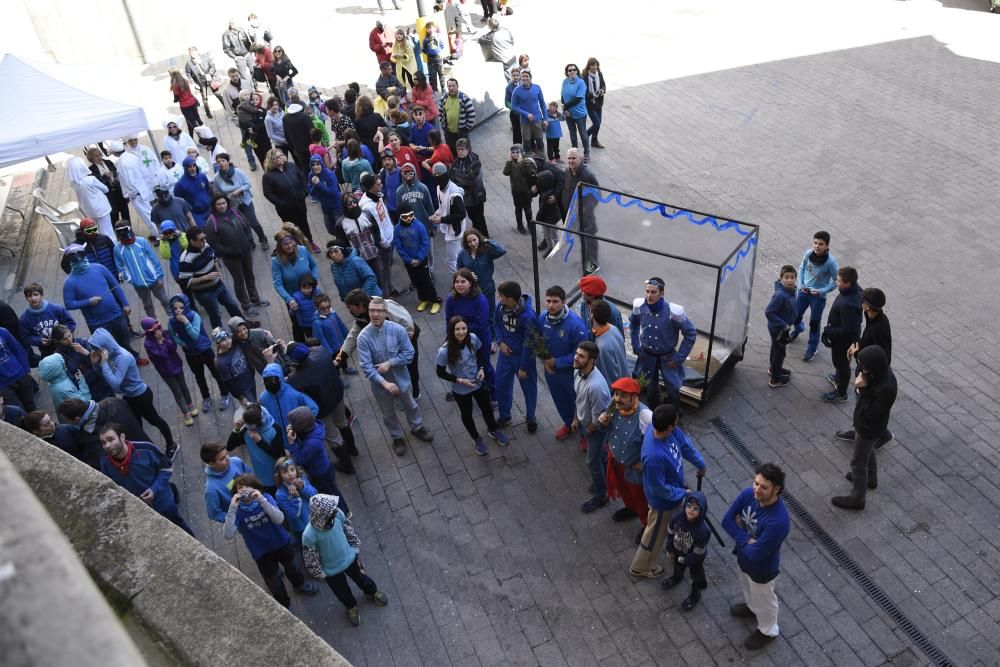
593	289
626	422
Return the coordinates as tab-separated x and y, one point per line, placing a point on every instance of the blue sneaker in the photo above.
832	379
481	447
799	328
834	397
225	403
500	437
809	355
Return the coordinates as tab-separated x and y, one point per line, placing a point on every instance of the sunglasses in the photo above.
90	230
406	216
287	464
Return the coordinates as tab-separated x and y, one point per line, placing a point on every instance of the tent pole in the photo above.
152	140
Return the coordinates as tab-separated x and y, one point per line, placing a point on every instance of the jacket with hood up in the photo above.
196	191
92	193
100	250
120	370
329	543
688	540
284	401
191	336
354	273
326	190
263	454
255	344
309	449
62	385
318	378
871	412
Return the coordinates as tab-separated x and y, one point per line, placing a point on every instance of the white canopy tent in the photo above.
45	115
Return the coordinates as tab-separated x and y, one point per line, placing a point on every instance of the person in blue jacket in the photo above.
173	243
842	330
142	470
413	246
38	319
121	372
93	290
687	540
322	184
758	522
279	398
350	271
255	429
665	447
780	314
574	101
562	330
468	301
220	471
392	178
328	328
478	254
16	385
514	321
307	444
184	326
817	278
656	327
292	496
194	188
255	516
139	266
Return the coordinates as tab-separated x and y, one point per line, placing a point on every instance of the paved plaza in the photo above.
890	143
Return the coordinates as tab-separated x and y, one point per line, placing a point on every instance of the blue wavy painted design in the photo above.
743	252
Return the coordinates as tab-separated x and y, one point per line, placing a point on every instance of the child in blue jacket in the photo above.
687	540
780	314
305	314
38	319
553	133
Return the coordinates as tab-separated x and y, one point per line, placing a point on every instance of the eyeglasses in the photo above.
377	310
406	216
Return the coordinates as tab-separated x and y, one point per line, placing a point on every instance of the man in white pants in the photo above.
759	523
138	173
450	217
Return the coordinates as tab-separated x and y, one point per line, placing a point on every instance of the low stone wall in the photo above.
182	596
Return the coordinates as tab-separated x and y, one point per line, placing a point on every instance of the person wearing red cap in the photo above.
626	426
593	289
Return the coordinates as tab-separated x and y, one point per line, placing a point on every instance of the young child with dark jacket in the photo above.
843	329
780	314
687	539
306	312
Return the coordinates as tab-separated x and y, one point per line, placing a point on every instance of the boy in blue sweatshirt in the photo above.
843	329
220	471
780	314
514	320
759	523
38	319
665	447
433	48
553	133
687	540
306	312
817	278
413	246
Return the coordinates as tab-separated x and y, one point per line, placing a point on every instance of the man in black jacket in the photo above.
843	329
876	388
877	332
315	375
297	124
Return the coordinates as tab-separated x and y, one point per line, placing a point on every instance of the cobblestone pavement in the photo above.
891	147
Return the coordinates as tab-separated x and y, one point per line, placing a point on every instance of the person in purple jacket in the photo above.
467	300
162	351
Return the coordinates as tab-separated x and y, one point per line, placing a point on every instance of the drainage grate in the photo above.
873	590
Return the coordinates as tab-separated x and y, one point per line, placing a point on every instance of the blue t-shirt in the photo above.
467	367
262	536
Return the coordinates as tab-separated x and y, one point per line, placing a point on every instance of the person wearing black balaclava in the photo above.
450	216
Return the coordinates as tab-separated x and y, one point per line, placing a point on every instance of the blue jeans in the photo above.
815	303
507	368
213	298
595	121
597	461
579	126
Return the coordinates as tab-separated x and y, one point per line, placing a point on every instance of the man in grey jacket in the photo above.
592	399
583	217
236	44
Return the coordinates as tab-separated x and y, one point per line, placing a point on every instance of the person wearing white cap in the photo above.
137	171
450	216
92	194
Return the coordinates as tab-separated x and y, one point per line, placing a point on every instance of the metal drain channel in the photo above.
919	639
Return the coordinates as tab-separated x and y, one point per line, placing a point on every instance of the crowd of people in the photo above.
401	183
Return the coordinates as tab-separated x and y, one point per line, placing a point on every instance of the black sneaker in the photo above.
757	640
422	433
543	246
871	484
846	436
848	502
691	600
171	451
523	231
532	426
624	514
670	582
399	446
833	397
777	382
593	504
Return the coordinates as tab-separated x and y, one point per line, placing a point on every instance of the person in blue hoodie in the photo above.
293	494
75	352
842	330
62	384
322	184
468	301
392	178
759	523
194	188
514	321
93	290
413	246
184	326
38	319
256	430
665	447
328	328
687	540
279	398
307	444
120	371
562	331
220	471
255	515
350	272
142	470
817	278
16	385
780	314
139	266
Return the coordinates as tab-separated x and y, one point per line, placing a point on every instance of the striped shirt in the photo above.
196	264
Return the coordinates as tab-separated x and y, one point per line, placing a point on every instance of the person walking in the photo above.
759	523
596	89
200	70
183	97
579	174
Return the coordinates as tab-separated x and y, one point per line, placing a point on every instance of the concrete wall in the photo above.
178	595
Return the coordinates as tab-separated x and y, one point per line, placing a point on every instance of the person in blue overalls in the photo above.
655	326
563	331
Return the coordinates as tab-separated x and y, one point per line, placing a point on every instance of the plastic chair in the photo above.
63	210
65	229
